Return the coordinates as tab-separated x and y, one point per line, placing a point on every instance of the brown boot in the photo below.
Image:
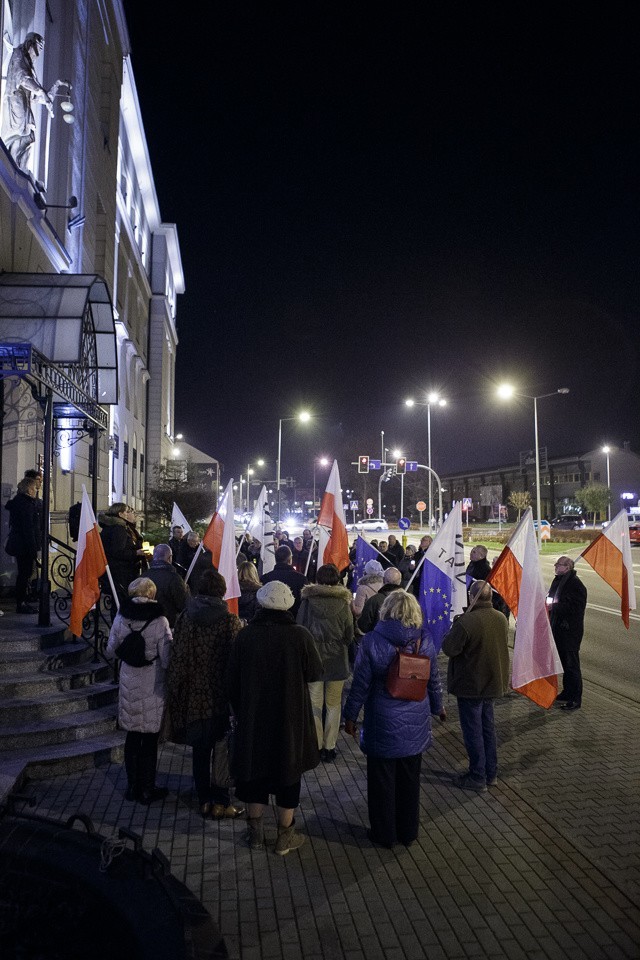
288	839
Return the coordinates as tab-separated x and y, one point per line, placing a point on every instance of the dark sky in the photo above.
376	202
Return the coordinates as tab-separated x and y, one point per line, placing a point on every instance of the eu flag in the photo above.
364	553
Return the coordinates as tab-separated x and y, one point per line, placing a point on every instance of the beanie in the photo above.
372	566
275	596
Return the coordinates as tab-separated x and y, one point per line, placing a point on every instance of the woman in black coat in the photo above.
123	557
23	542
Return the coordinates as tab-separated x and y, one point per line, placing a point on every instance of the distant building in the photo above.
560	478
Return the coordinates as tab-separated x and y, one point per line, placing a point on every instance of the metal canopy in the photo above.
68	320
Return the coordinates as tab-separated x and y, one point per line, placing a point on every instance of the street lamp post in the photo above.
433	399
506	391
303	417
323	462
607	450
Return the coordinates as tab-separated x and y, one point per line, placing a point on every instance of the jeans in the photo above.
479	735
329	695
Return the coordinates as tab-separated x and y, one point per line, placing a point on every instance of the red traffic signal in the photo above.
401	465
363	464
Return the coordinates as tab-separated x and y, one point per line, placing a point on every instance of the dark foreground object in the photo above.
56	902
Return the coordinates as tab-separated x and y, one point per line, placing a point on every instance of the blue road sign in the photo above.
404	523
412	466
374	464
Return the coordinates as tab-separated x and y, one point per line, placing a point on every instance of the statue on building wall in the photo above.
22	92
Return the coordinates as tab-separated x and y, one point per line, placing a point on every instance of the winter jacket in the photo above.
285	573
141	696
371	610
247	603
272	661
566	612
367	586
480	570
479	654
391	728
24	526
196	684
172	592
121	553
325	612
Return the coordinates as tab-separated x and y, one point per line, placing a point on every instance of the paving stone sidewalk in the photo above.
545	865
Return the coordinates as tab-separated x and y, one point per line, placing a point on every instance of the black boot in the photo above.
149	793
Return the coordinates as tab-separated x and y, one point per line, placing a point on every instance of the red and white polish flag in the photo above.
518	579
220	540
610	557
333	546
91	564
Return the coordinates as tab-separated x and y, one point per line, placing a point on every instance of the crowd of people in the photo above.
260	696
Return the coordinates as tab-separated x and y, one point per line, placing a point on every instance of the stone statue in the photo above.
23	90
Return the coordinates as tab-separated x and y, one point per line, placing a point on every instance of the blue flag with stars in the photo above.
443	589
364	553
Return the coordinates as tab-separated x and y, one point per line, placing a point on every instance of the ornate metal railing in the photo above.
96	626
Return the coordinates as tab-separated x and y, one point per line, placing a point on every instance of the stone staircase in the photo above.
58	706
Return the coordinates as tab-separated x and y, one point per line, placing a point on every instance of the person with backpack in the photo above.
141	639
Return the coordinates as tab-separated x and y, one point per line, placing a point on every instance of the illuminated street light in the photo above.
506	391
303	417
433	400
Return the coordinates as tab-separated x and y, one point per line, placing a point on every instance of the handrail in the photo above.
96	626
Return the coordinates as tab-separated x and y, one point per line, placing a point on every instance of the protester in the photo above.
395	733
189	548
391	580
566	603
197	704
299	555
283	572
137	539
395	550
479	568
407	565
271	665
368	585
478	673
423	546
23	541
249	582
177	535
141	695
122	555
325	612
172	592
384	557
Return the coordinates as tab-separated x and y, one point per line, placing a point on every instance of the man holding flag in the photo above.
567	601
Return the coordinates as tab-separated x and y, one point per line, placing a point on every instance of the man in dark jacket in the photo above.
23	542
391	580
272	662
172	592
395	550
566	602
479	568
425	543
478	673
285	573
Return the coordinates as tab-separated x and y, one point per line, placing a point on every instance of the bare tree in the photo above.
519	500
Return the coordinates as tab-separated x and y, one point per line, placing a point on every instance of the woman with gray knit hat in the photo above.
271	663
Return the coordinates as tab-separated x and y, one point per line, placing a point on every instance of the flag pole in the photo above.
113	589
193	562
415	572
313	542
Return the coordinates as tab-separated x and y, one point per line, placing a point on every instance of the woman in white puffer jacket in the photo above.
142	694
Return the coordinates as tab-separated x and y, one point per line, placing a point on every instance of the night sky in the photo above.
372	203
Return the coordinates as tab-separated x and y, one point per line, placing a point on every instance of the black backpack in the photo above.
132	649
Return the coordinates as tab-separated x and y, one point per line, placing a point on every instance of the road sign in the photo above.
369	510
369	501
421	505
467	503
412	466
353	505
374	464
404	523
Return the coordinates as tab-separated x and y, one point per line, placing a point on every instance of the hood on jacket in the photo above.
323	590
396	633
206	611
106	520
140	609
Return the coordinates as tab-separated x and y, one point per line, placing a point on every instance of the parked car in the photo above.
634	533
373	525
569	522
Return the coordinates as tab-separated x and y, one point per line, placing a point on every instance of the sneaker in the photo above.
467	782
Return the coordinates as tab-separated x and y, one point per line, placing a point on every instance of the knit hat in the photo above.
372	566
275	596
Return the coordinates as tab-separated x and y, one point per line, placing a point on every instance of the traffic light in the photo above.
363	464
401	465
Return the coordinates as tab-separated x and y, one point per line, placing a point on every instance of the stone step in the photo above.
16	710
30	638
69	727
44	661
42	684
67	758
